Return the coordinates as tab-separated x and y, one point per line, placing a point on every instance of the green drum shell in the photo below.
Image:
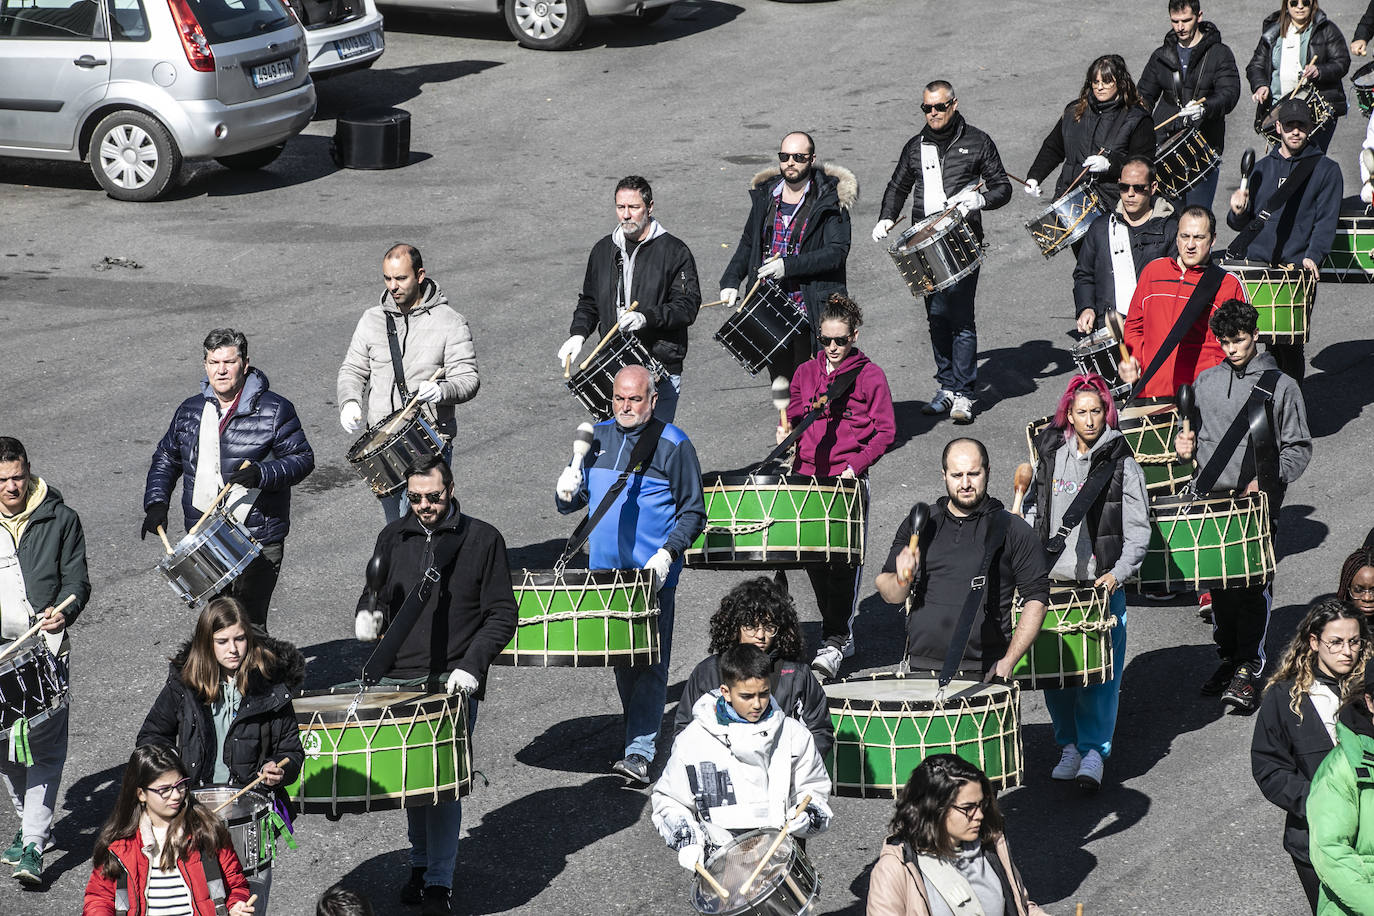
1166	479
1351	258
1074	646
1149	428
1283	298
778	522
1208	543
582	618
411	752
879	741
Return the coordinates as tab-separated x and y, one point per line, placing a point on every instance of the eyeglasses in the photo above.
837	341
1335	645
767	629
432	498
167	792
795	157
1361	591
937	106
1126	186
1294	4
972	808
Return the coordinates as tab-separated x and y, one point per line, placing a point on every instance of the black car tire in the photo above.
255	159
124	141
546	25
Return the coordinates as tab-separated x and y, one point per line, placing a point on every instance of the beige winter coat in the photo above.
896	887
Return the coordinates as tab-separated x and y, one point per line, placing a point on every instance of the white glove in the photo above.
1096	163
967	201
689	857
883	227
569	482
429	392
1367	193
848	473
571	347
1032	187
632	321
1193	111
728	295
367	626
771	270
801	823
459	681
659	564
351	417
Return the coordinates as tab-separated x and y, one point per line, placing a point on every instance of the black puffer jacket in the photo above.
1285	754
819	264
1212	75
970	156
1326	42
796	689
1094	284
264	429
1122	132
264	729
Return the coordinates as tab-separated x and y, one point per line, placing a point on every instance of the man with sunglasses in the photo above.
1115	250
1290	212
1208	86
949	164
446	574
796	235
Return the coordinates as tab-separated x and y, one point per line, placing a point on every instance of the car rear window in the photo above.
230	20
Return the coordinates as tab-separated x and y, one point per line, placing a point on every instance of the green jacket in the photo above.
52	555
1340	814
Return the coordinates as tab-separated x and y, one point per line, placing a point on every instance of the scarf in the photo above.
950	884
1123	262
209	479
725	713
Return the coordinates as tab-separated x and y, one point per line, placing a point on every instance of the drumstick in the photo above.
567	366
1100	151
615	328
163	534
235	797
753	289
1113	321
920	514
37	625
1184	399
410	405
1078	910
782	396
777	841
1197	101
254	899
1018	180
1020	484
224	491
715	885
707	305
894	224
582	444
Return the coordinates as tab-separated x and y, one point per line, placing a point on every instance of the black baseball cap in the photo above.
1292	110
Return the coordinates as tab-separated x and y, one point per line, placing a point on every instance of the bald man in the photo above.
651	521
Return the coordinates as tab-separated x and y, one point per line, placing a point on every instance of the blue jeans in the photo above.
954	335
644	690
1086	716
1202	194
669	389
433	830
396	505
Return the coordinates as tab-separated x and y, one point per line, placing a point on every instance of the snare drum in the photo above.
1185	159
1319	107
583	619
1067	219
1074	648
380	748
593	385
383	454
203	564
779	522
1283	297
252	824
1098	353
764	325
937	253
886	724
1218	542
32	687
1363	81
1351	258
787	886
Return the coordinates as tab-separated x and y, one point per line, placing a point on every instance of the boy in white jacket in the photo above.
740	765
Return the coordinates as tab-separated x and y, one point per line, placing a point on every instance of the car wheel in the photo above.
647	17
546	25
256	159
133	156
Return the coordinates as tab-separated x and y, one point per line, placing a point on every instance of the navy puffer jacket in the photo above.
264	429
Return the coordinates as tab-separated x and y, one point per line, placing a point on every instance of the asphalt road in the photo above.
516	156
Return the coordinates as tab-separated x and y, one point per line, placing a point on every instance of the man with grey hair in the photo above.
235	431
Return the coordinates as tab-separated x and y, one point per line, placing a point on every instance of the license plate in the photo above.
275	72
354	45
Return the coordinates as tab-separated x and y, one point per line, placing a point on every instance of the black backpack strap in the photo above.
121	895
1098	479
1294	184
1208	285
1241	425
838	389
397	368
640	457
379	662
977	595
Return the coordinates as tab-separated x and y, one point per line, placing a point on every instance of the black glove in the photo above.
248	477
155	519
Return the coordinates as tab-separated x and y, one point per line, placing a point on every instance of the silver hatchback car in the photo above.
136	86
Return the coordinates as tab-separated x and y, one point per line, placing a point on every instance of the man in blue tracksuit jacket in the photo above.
652	521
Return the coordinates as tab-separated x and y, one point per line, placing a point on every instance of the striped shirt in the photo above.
167	894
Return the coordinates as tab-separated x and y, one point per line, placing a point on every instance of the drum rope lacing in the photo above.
1086	626
589	614
739	529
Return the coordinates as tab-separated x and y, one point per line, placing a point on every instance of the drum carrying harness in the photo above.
1293	184
398	371
1261	455
640	457
1098	479
977	595
210	870
838	389
1201	299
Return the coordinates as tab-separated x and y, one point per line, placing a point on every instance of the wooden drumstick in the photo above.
254	899
163	534
1018	180
721	892
1185	401
1078	910
782	396
777	841
224	491
920	514
235	797
615	329
1101	151
37	625
1020	484
753	289
399	420
1113	321
1197	101
707	305
567	366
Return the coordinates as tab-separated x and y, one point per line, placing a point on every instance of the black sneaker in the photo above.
634	767
436	901
413	891
1241	694
1214	685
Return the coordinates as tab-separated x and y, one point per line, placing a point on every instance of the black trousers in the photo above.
837	587
1240	620
1311	884
255	585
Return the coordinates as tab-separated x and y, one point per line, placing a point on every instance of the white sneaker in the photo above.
1067	767
940	402
1090	772
827	661
962	409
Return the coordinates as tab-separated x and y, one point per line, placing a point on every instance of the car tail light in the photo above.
295	13
193	40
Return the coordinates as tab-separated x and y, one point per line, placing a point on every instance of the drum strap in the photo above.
214	883
397	369
1296	181
640	456
1198	303
379	662
838	389
1254	420
977	596
1098	479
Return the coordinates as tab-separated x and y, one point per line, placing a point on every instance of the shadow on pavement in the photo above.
911	422
335	662
1298	531
1337	394
385	88
582	745
1013	372
87	802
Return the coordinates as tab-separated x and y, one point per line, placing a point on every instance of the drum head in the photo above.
733	863
325	701
247	806
1363	78
892	689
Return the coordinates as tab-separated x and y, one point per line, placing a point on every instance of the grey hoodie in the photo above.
1222	392
1076	562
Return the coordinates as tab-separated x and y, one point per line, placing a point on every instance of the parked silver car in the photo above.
135	86
549	25
340	35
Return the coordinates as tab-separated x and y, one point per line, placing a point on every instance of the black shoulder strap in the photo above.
977	596
397	368
1208	285
1262	393
1087	496
379	662
1263	437
838	389
214	882
640	457
1294	185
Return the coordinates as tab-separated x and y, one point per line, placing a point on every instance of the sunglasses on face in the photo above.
795	157
1126	186
1294	4
837	341
937	106
432	498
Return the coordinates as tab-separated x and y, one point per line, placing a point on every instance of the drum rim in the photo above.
749	906
721	479
218	519
1367	68
261	812
636	575
330	716
1250	500
354	456
987	694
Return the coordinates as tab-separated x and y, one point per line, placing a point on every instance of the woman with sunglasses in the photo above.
855	427
168	853
758	612
947	853
1296	725
1299	44
1356	586
226	709
1098	131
